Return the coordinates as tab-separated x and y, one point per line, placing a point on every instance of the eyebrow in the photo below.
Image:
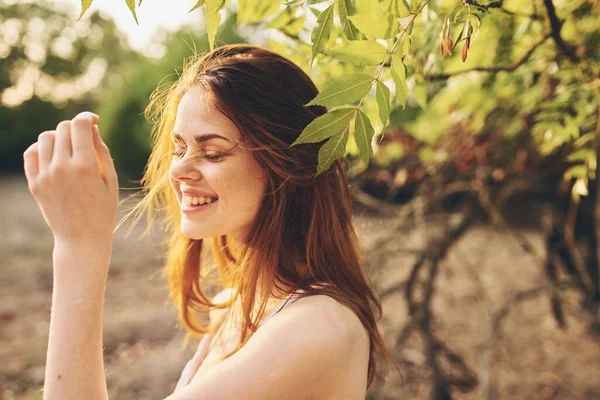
199	138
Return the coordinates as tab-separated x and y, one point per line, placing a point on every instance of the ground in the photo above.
144	353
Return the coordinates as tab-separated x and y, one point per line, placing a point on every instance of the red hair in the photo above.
302	236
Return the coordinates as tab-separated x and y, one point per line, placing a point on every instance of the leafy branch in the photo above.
363	27
355	88
496	68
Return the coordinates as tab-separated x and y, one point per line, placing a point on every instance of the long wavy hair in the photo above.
302	236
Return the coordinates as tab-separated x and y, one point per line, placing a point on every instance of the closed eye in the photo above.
212	157
178	153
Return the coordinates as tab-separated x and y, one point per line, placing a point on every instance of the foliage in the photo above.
50	69
534	68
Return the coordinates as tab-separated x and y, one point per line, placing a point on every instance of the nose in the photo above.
184	170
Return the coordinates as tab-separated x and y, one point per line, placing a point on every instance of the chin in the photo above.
196	234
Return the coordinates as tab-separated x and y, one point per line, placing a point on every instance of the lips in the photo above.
200	200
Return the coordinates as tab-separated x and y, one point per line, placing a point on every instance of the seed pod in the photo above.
449	44
442	45
443	48
468	29
465	49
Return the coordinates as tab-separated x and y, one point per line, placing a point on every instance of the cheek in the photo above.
245	187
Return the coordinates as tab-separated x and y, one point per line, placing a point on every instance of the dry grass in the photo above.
143	344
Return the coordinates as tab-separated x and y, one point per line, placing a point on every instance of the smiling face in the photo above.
211	167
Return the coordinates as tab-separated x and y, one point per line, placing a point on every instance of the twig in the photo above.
555	25
497	219
569	240
510	67
435	254
392	289
467	377
520	297
485	7
534	17
428	202
374	203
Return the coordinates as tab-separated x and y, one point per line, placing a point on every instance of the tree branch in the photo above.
520	297
510	67
555	26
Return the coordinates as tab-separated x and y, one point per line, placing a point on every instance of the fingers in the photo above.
62	142
45	149
81	136
30	159
107	168
78	139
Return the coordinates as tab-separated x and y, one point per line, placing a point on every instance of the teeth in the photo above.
190	200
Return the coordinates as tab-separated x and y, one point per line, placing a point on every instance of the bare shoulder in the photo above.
314	348
326	333
328	314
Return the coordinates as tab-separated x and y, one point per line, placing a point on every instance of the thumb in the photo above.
105	161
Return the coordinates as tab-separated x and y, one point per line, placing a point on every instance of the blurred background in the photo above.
479	214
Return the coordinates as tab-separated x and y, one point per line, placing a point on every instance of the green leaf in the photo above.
363	133
397	8
131	5
343	91
576	171
333	149
581	155
294	27
199	4
85	4
252	11
588	137
213	17
327	125
345	9
360	52
282	18
404	47
320	35
370	19
571	127
399	76
315	12
382	94
315	1
394	27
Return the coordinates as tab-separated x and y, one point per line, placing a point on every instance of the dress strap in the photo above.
289	300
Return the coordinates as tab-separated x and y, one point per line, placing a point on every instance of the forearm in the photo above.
75	363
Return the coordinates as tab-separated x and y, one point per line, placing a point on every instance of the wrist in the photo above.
78	261
83	246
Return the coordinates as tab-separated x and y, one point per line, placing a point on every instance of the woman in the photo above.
222	167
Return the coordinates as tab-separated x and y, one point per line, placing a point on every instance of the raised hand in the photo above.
71	175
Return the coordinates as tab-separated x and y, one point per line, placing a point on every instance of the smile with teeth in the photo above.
193	201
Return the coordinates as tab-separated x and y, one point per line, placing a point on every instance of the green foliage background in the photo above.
530	76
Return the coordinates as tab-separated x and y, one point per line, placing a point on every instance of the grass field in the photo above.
533	359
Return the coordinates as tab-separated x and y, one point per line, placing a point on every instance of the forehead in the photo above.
197	116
